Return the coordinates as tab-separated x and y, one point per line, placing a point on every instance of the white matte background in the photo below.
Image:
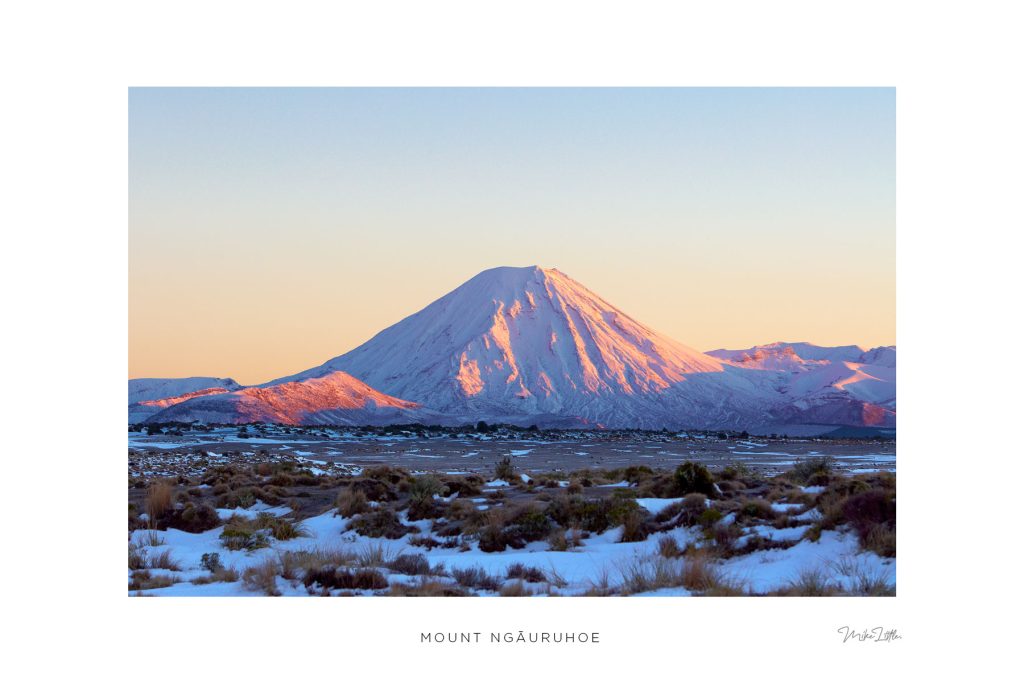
67	67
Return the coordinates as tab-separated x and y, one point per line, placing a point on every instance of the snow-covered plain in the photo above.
601	562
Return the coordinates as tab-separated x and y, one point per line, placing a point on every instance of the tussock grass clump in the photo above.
262	577
243	534
219	575
863	579
143	580
411	564
163	560
755	509
668	547
867	505
345	579
700	574
733	472
565	539
872	515
382	523
812	583
351	502
159	500
634	527
504	469
374	489
812	471
476	577
644	574
881	540
429	542
520	571
193	518
280	528
136	557
468	485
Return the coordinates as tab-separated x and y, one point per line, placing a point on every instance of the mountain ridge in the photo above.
533	346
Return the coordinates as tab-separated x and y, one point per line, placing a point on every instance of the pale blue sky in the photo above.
722	217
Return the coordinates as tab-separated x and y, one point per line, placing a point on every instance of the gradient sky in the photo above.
272	229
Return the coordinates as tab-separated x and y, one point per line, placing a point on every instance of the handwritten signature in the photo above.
878	634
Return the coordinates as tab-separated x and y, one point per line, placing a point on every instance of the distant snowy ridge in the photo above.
533	346
335	398
152	389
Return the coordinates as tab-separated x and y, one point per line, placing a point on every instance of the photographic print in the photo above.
512	342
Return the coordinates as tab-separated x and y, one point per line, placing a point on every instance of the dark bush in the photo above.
524	573
692	477
380	524
345	579
504	469
412	565
865	511
476	577
373	489
211	562
531	524
812	471
194	519
595	515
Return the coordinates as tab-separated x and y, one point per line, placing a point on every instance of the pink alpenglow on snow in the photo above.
533	346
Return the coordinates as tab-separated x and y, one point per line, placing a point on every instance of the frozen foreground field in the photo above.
294	513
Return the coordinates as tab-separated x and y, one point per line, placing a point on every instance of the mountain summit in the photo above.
533	346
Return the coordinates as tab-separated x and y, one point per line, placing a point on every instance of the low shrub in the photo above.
564	539
382	523
594	515
812	471
518	570
143	580
163	560
194	519
504	469
413	565
476	577
346	579
262	577
872	515
692	477
351	502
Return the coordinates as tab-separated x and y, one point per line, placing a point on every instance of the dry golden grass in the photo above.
143	580
351	503
163	560
219	575
263	577
159	500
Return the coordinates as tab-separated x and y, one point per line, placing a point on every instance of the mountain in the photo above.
334	398
533	346
152	389
843	385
